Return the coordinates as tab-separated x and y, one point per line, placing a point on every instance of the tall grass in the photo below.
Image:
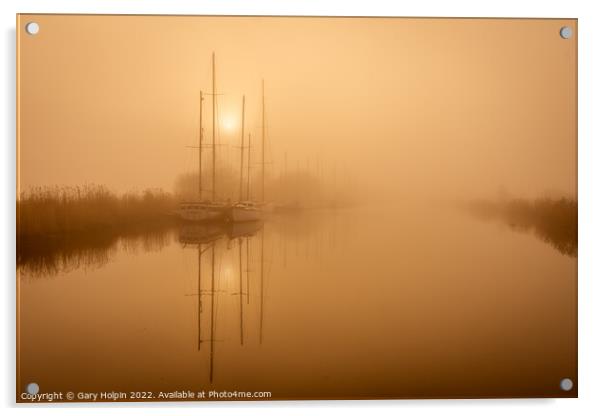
55	211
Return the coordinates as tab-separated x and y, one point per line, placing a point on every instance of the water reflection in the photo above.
211	240
51	256
400	296
55	255
243	245
551	220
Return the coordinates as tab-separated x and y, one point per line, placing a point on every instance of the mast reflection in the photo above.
215	241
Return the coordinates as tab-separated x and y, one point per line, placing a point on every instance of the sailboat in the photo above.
248	210
208	210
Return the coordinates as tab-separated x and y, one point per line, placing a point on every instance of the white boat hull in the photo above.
243	214
199	212
197	216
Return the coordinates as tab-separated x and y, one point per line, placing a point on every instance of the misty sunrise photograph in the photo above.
295	208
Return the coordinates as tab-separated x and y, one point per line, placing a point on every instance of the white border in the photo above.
590	203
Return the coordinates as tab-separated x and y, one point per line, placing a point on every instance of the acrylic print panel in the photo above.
276	208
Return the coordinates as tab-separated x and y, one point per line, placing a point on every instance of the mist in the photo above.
396	217
399	108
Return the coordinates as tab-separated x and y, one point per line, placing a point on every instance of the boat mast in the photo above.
262	141
249	169
213	124
201	147
242	147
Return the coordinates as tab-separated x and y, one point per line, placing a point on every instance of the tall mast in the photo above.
262	141
213	124
242	146
201	147
249	169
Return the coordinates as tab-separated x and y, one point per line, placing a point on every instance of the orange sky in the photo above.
405	106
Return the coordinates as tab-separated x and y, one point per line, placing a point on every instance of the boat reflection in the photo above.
213	243
243	229
200	233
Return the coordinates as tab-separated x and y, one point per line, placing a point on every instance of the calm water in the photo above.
356	303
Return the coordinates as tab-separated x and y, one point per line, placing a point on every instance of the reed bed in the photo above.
56	211
554	220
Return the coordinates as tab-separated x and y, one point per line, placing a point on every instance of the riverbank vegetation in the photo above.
52	211
554	220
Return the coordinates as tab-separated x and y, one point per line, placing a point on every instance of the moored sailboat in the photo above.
248	210
245	211
199	211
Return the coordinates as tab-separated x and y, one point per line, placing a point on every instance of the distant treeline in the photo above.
52	211
554	220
